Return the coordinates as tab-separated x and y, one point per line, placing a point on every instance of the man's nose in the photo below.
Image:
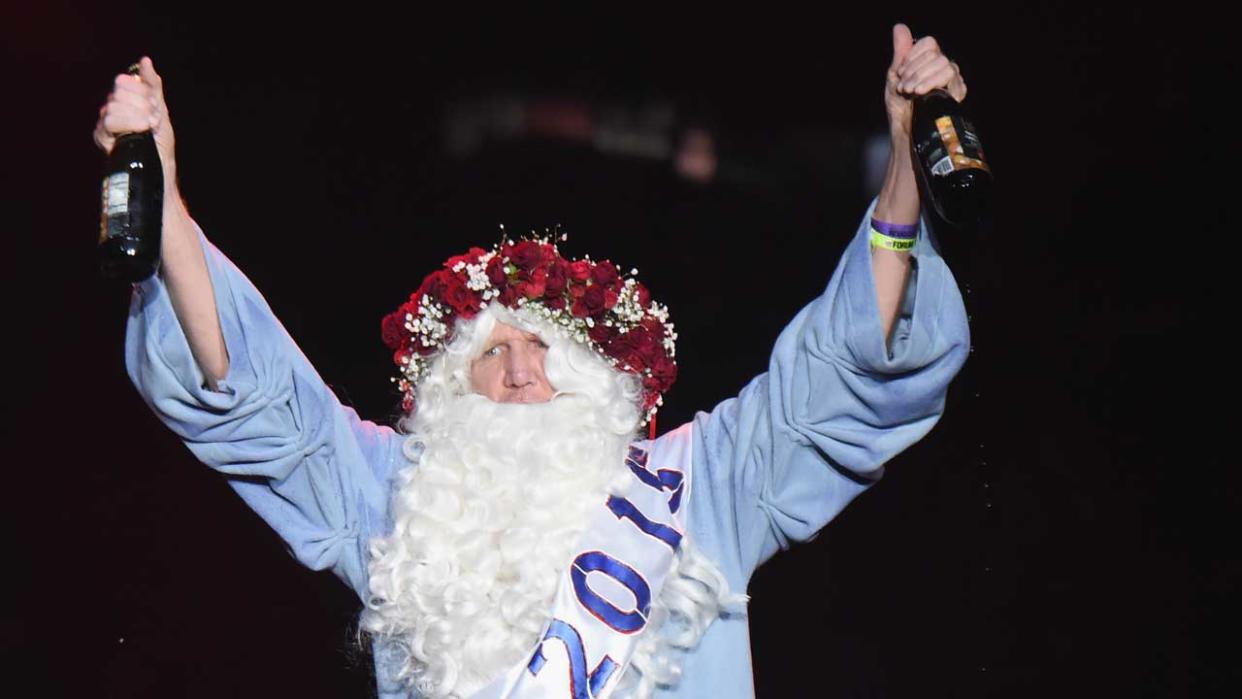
519	371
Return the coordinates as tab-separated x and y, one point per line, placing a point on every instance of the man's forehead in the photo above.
504	330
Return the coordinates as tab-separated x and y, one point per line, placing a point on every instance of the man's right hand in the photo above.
136	104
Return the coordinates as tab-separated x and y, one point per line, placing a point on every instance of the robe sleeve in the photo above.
774	464
309	466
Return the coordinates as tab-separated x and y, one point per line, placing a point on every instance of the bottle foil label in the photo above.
116	194
961	147
115	205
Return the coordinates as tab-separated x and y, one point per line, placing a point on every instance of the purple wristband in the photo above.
895	230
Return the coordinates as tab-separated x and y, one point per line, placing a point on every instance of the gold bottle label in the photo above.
963	151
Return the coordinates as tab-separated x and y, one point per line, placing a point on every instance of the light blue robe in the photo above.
770	467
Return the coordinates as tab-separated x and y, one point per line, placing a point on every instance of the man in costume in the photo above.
514	536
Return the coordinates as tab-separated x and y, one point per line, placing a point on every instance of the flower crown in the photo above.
591	302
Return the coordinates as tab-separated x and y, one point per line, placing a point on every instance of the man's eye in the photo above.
493	351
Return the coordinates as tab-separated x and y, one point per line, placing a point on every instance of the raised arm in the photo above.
916	69
773	465
859	375
183	267
222	373
137	104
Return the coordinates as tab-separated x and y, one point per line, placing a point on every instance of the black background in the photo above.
1062	530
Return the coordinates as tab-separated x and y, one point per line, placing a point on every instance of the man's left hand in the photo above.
917	68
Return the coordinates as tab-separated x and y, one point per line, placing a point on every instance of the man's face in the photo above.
510	370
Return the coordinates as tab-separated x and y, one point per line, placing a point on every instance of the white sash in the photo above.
605	594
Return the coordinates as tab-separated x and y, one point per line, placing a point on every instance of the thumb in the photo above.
903	41
146	70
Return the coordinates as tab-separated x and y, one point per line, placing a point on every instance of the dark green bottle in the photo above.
953	174
132	210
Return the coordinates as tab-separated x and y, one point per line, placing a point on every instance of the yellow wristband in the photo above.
880	240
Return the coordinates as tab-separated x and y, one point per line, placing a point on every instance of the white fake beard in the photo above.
484	525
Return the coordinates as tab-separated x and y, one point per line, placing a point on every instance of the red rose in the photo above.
625	347
393	328
604	273
555	303
577	290
637	361
654	326
610	297
580	271
533	284
594	299
620	346
579	309
644	296
602	334
647	346
496	272
651	393
460	298
469	258
435	284
665	372
644	341
508	296
527	255
556	279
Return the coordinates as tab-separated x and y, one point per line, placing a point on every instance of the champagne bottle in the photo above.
132	210
953	174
